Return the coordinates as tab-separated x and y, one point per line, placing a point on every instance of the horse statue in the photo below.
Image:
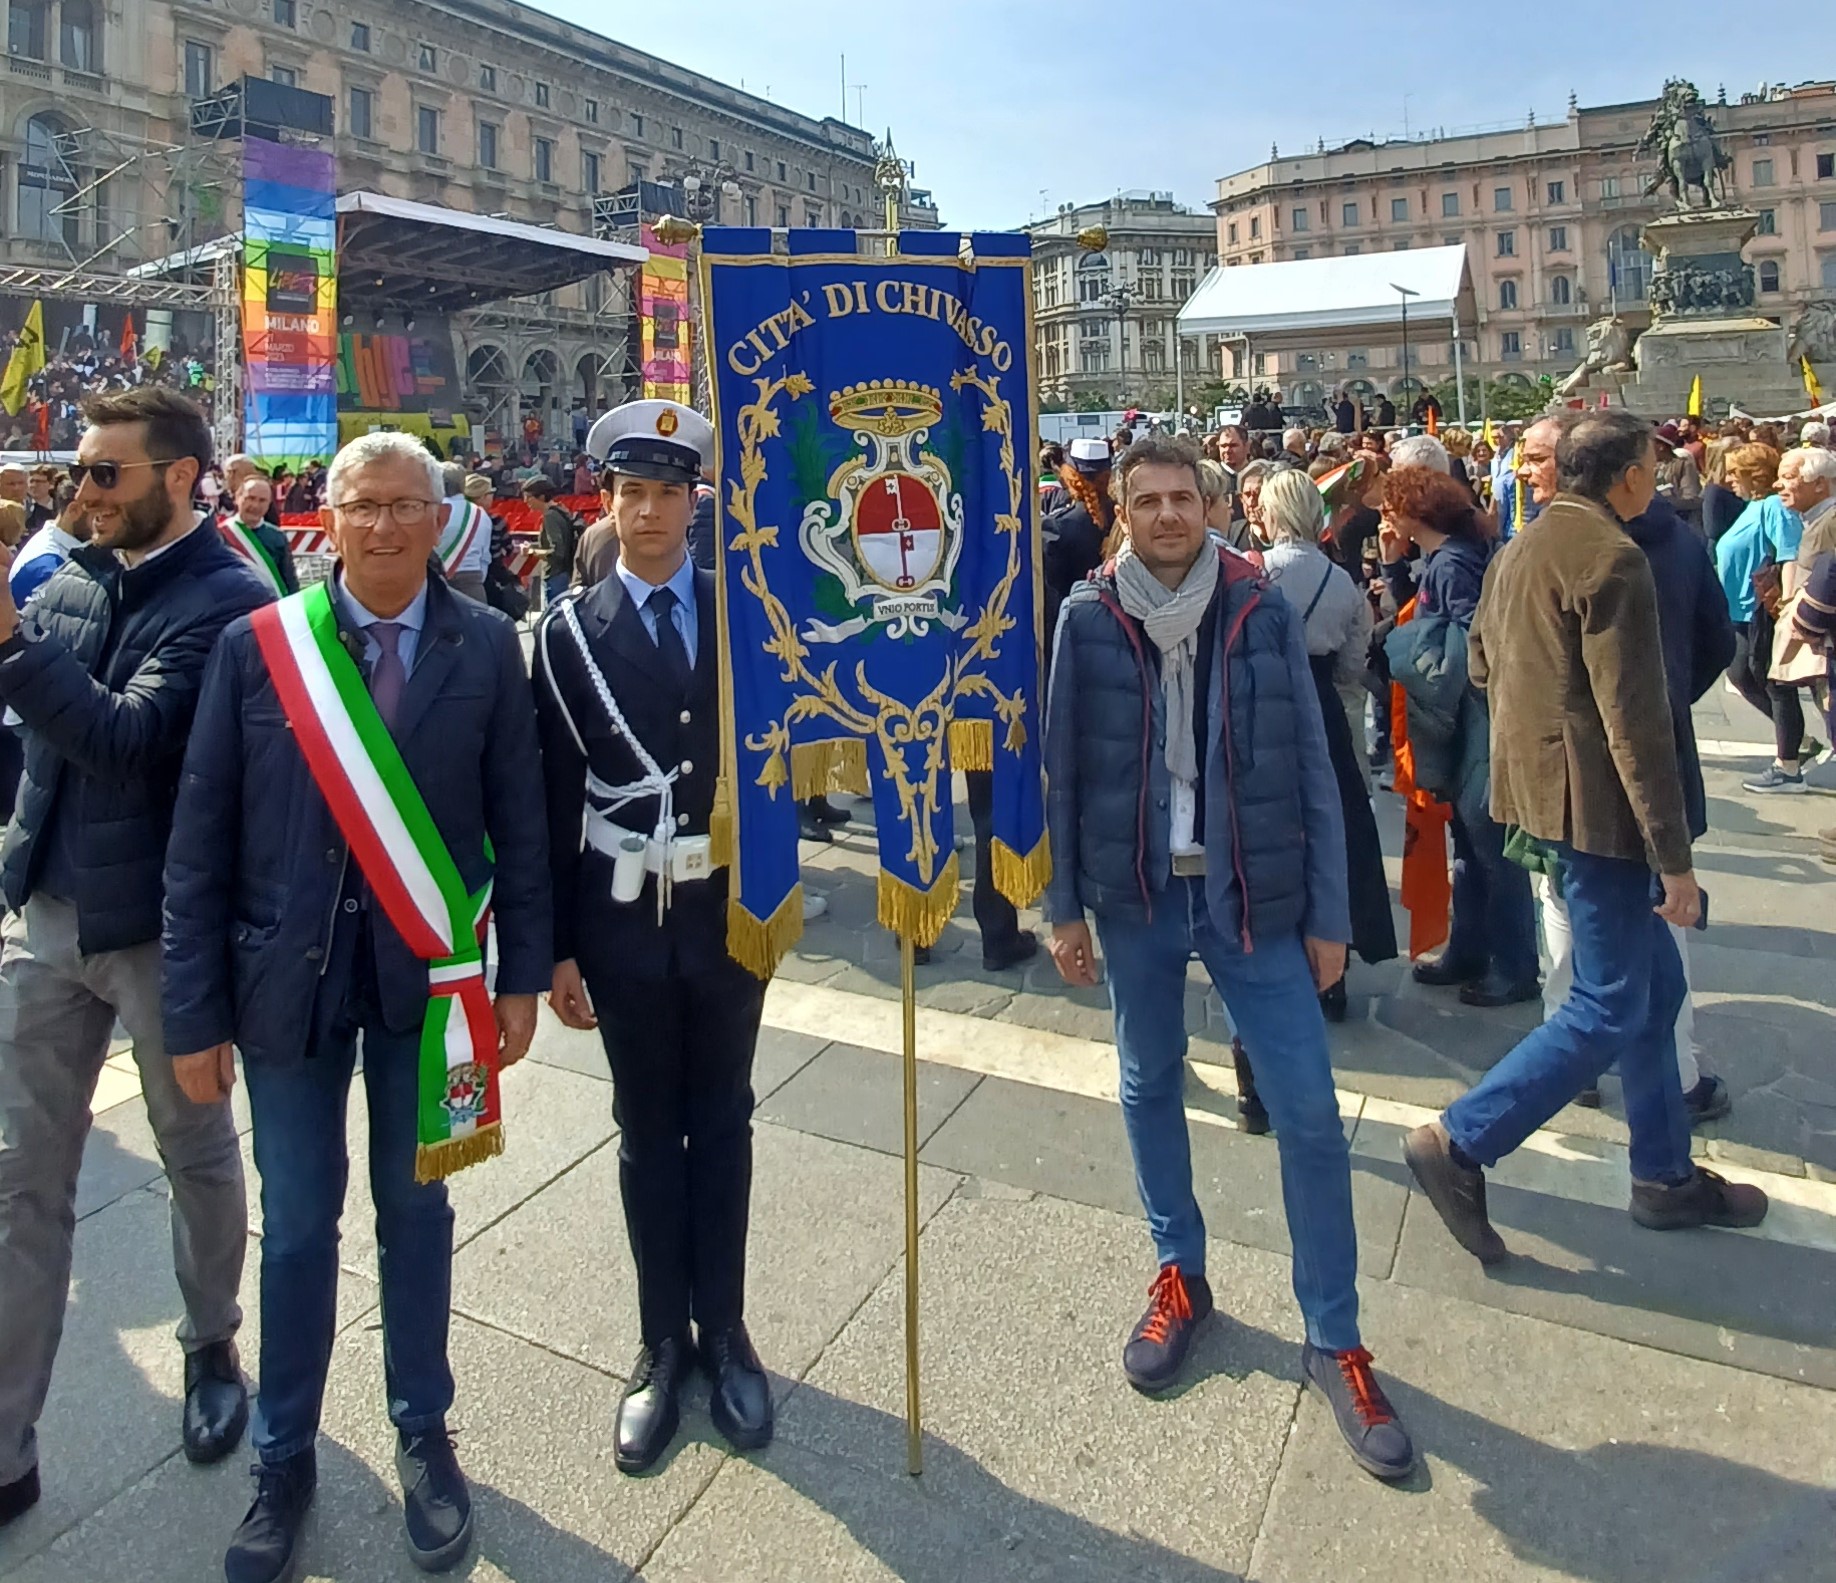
1814	335
1609	352
1690	160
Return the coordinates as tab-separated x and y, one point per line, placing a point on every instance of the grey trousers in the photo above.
57	1010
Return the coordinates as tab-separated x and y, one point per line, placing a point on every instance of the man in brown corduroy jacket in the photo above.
1566	645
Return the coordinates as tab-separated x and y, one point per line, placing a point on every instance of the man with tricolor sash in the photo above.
103	671
628	698
465	541
256	541
362	791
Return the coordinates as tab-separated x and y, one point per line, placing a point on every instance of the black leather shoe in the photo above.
19	1497
1443	973
1010	953
1491	991
436	1505
741	1404
266	1548
648	1413
825	812
810	828
216	1402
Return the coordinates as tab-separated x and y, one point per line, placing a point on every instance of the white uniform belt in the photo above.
602	835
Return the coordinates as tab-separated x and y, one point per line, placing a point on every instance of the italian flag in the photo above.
381	814
241	538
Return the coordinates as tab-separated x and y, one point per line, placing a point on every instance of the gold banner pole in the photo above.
914	1434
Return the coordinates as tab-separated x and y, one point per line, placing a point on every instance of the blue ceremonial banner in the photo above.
879	579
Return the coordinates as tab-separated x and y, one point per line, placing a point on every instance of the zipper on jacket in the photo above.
1230	766
1147	743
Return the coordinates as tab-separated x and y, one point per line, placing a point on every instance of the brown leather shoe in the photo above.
1706	1199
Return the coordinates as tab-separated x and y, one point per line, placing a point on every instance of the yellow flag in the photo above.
1812	387
1490	435
1695	397
27	359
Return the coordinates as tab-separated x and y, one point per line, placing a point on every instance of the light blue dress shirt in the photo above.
684	617
410	620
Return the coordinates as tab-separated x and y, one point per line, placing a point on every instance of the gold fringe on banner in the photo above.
818	768
971	744
1021	879
759	946
906	910
721	826
434	1162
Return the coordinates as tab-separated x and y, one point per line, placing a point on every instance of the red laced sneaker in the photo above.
1157	1346
1368	1423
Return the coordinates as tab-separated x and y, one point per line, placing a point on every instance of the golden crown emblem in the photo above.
886	407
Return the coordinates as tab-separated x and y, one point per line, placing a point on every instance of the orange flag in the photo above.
1434	422
1427	886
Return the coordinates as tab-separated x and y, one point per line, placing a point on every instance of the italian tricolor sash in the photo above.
242	540
359	770
468	522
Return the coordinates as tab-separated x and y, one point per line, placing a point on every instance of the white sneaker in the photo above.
814	906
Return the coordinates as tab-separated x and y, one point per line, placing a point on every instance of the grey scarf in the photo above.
1171	617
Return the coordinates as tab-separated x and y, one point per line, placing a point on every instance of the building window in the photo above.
1609	186
1628	266
637	124
1762	173
544	159
1092	277
1511	345
1826	166
541	90
1348	214
46	187
1255	227
200	69
286	76
1826	269
752	209
1768	223
360	37
1303	252
1762	140
1558	192
1561	291
747	158
783	217
809	180
1302	220
1450	241
1358	359
1450	205
675	137
713	148
1507	294
487	78
287	13
589	170
1507	244
1399	210
487	145
1769	275
1501	200
590	107
1826	217
359	118
26	32
429	58
780	170
427	129
77	36
1350	250
812	217
1558	239
1563	342
1230	233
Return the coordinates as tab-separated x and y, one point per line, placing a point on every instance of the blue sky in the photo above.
997	100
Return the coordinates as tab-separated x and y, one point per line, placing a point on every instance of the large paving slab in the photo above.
1029	1422
827	1224
858	1096
1553	1454
1073	1147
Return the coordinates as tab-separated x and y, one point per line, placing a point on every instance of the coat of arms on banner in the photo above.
891	528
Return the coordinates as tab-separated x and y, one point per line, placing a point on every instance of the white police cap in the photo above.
653	439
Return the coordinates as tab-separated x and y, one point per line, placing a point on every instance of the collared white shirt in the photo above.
410	620
684	617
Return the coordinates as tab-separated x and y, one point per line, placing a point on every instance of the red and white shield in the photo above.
899	529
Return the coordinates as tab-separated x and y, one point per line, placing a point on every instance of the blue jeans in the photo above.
1628	988
1270	995
1494	916
298	1112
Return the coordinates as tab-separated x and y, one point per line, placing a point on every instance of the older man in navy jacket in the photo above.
276	941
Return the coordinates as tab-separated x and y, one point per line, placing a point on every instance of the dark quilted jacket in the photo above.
105	674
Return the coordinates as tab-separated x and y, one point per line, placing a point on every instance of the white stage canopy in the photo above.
1303	302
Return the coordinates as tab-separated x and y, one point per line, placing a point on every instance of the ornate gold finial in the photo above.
886	407
1093	238
672	230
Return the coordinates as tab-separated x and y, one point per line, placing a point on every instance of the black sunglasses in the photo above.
107	474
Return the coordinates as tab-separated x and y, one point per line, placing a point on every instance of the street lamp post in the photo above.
1119	300
1406	295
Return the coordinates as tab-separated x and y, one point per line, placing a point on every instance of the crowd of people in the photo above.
84	366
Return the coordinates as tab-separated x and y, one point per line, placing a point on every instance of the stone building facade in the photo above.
485	105
1103	321
1551	215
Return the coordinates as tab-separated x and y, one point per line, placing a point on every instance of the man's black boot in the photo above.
266	1548
436	1505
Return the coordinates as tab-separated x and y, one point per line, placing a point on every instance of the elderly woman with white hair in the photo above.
1337	622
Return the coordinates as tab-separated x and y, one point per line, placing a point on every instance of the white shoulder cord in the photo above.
656	783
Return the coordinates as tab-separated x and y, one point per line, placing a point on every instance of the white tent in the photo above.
1314	303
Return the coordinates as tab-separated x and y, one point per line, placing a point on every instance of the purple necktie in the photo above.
388	676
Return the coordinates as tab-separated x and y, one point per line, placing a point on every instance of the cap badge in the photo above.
667	423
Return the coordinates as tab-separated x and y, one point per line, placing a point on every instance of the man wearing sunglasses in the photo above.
104	671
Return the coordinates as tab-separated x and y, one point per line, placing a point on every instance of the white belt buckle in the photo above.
691	858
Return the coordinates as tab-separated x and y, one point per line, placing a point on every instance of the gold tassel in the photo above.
759	945
1021	879
721	826
818	768
971	744
434	1162
906	910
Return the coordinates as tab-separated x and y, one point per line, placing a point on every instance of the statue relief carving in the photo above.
1689	159
1685	288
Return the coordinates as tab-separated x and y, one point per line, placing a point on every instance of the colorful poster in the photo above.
664	353
878	564
289	302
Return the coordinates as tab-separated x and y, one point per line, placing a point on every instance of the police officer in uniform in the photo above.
627	698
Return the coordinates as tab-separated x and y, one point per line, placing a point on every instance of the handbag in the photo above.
1769	587
503	592
1795	659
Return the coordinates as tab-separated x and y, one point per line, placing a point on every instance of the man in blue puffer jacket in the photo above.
1193	810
